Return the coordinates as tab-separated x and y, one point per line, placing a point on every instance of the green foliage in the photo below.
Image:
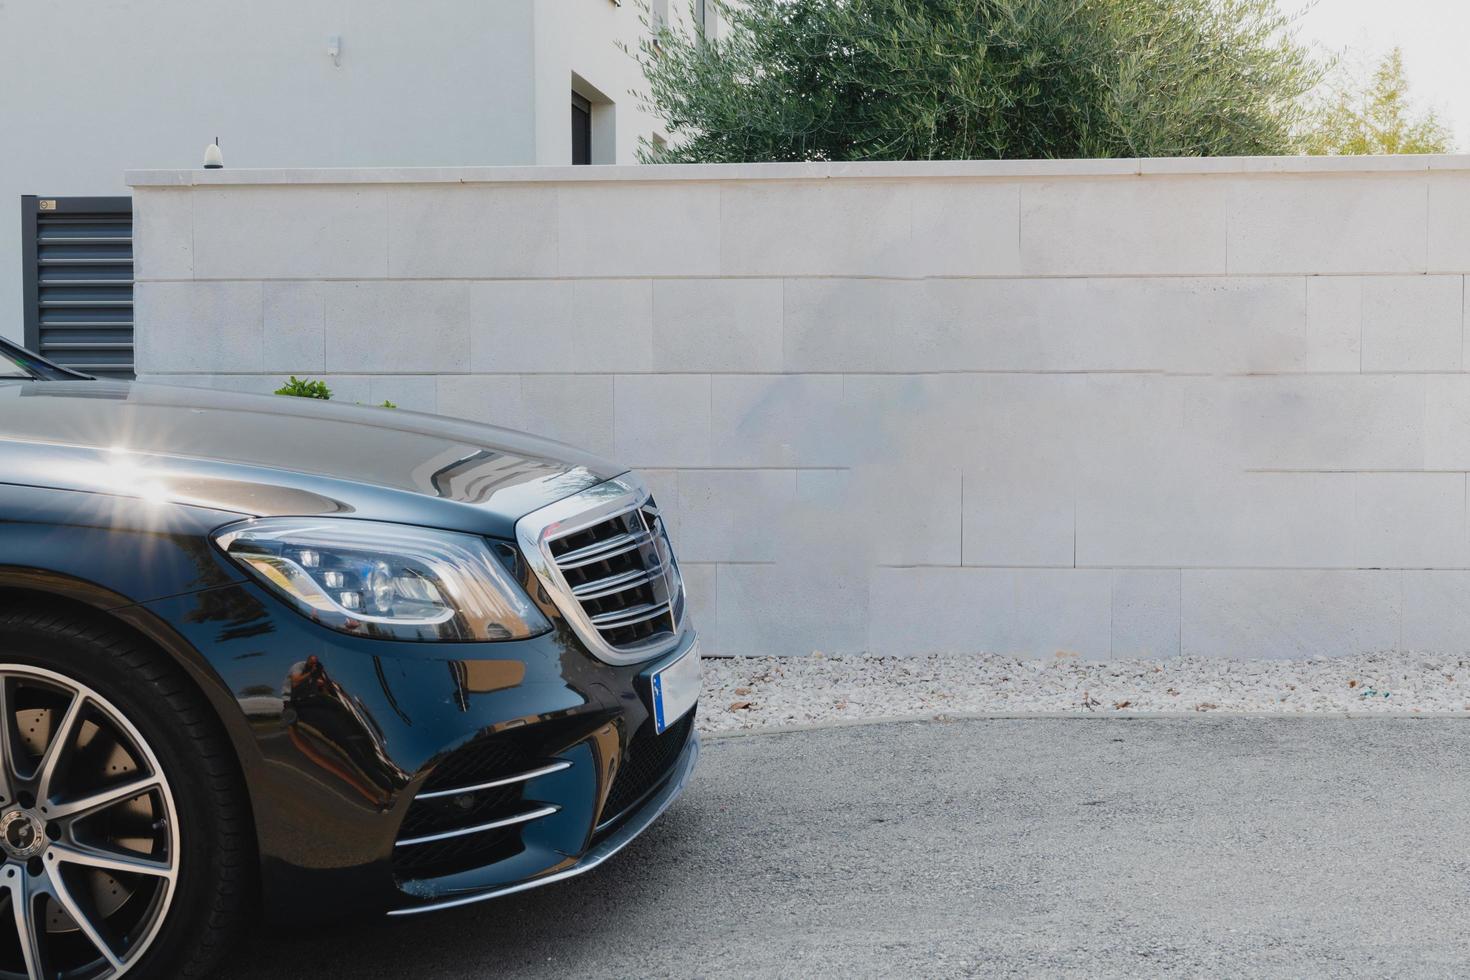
1372	112
977	79
304	388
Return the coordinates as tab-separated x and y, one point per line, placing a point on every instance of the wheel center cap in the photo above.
21	835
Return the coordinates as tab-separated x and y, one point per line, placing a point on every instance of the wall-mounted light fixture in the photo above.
334	49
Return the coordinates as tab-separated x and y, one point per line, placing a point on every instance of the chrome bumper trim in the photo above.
527	817
494	783
615	842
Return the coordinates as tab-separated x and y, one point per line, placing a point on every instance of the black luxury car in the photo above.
274	653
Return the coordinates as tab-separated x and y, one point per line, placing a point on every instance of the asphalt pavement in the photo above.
1294	847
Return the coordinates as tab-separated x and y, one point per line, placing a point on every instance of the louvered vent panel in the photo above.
79	282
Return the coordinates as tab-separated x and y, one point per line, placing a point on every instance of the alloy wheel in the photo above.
89	832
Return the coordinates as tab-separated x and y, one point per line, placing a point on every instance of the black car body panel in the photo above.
262	455
109	495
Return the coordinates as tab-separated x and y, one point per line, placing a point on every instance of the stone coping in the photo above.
938	169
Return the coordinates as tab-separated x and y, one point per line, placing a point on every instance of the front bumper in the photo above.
552	805
338	736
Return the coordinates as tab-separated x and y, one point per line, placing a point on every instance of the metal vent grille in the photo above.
605	558
646	763
78	282
621	571
471	810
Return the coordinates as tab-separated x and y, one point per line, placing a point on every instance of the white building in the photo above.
90	88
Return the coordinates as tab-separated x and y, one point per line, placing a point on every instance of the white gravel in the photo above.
777	692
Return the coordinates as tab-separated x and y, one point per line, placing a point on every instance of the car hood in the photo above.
266	455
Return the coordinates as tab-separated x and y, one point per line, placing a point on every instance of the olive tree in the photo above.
963	79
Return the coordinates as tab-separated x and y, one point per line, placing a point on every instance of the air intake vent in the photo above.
77	257
471	809
646	763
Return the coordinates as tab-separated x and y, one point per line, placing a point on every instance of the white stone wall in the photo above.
1105	407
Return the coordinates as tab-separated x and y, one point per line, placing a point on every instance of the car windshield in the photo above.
11	366
17	362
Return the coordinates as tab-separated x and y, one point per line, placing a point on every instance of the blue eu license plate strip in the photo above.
676	689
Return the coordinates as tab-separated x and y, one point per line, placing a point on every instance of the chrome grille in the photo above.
605	558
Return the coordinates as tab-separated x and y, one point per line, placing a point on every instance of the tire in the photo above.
188	828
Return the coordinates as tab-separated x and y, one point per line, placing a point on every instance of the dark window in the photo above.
77	281
581	130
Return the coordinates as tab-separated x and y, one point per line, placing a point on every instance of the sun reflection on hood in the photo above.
196	446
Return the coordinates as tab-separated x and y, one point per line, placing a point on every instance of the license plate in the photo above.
676	689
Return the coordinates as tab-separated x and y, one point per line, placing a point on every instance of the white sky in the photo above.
1434	34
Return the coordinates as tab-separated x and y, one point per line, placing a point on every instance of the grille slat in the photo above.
603	550
618	583
629	617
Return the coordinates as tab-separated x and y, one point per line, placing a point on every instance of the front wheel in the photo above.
122	843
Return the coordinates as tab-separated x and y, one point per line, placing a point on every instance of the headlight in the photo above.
385	580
